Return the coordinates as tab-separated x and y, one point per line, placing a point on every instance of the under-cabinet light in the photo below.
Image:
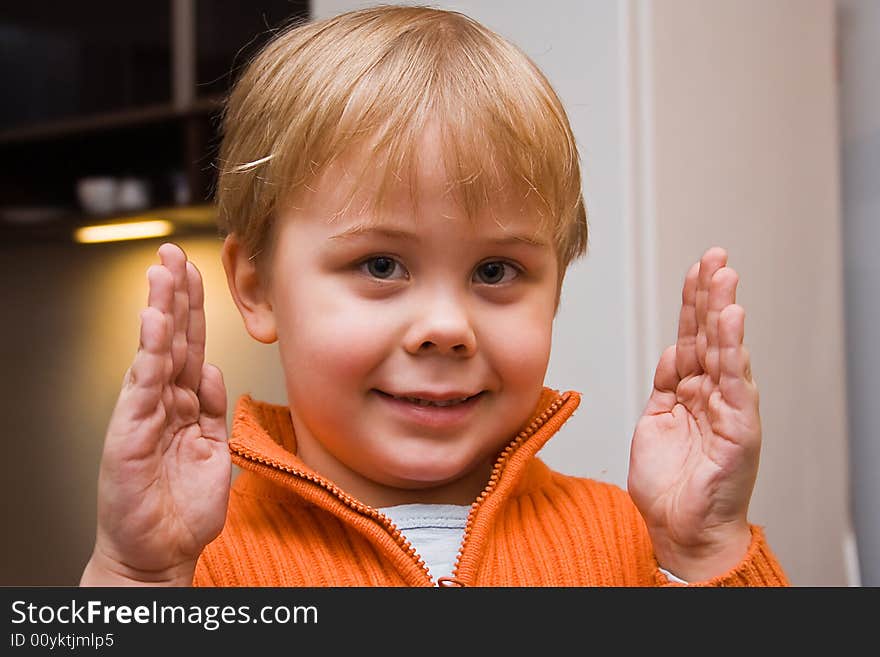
129	230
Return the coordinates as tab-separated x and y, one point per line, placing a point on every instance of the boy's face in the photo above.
428	306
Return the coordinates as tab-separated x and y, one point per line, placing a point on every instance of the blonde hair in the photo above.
373	79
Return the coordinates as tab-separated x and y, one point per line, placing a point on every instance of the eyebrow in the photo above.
362	230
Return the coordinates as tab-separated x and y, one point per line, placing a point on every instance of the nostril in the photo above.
458	348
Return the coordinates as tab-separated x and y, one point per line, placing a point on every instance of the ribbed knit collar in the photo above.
263	432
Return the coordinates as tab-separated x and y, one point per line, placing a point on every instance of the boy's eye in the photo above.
381	267
488	273
493	273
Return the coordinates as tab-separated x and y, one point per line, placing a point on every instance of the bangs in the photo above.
311	103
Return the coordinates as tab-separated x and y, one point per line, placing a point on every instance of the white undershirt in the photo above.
436	531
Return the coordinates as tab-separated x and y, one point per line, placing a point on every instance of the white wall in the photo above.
744	153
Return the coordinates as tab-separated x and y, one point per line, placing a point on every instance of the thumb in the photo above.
663	396
212	402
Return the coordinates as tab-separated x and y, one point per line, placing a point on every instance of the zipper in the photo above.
504	457
272	468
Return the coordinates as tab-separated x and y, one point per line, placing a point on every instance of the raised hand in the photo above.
695	450
164	479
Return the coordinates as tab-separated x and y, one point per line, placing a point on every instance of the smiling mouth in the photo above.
428	402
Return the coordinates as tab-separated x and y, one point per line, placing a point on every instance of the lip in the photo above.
433	396
435	417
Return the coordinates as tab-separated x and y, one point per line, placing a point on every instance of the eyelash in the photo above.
363	267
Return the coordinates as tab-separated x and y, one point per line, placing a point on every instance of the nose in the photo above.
442	325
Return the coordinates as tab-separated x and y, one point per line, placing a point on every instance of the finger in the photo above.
713	259
666	380
174	259
149	372
212	401
161	291
686	362
735	383
151	368
195	330
722	293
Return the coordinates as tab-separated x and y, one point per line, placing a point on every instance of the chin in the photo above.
419	476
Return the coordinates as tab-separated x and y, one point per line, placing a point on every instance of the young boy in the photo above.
402	196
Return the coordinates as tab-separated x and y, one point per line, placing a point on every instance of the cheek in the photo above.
519	348
336	338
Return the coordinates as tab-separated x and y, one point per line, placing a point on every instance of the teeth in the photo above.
425	402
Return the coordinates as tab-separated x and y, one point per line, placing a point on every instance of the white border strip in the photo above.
639	201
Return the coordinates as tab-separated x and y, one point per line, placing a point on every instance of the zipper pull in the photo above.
449	582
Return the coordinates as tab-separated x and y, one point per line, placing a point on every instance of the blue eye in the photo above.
381	267
493	273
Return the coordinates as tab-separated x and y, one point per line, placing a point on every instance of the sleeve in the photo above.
759	567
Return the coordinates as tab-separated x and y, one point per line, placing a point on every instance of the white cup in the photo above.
133	194
97	195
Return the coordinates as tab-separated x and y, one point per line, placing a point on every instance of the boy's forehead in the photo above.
433	203
366	163
358	190
347	191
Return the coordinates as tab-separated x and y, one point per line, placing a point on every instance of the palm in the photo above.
694	455
164	482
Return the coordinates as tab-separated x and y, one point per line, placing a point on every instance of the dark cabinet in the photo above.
120	91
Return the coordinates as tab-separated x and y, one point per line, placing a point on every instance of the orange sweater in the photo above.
288	526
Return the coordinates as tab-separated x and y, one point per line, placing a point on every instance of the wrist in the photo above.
103	570
700	562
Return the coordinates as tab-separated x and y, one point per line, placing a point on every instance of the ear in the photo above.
250	293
